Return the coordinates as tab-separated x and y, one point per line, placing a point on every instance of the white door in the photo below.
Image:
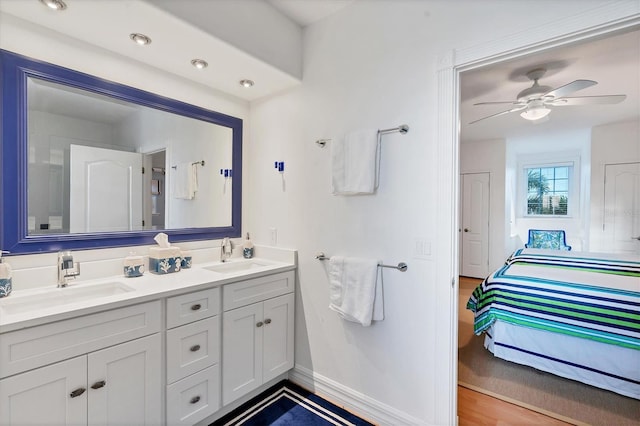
278	336
52	395
474	256
124	384
621	227
241	351
105	190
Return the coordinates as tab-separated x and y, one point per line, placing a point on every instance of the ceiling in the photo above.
614	62
306	12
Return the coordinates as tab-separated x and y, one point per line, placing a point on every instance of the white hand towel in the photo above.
353	163
354	291
185	181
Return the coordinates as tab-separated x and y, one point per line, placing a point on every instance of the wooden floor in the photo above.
475	408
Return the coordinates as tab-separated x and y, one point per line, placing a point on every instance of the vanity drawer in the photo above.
191	307
194	398
257	289
192	347
33	347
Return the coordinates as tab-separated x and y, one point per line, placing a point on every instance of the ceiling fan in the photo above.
536	101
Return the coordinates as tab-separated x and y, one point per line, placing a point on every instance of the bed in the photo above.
573	314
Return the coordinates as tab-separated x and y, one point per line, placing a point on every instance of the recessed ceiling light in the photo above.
246	83
54	4
141	39
199	63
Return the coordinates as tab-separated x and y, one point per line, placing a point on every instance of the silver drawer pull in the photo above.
259	324
194	348
195	400
267	321
77	392
196	307
98	385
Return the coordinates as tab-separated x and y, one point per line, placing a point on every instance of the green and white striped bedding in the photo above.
596	262
572	293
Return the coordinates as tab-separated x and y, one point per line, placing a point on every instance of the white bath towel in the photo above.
355	292
185	181
354	163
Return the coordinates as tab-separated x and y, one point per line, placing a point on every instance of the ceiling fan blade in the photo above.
567	89
519	108
588	100
500	103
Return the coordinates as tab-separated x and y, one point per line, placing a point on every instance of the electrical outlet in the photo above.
273	233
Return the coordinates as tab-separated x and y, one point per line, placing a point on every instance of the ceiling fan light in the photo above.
536	113
54	4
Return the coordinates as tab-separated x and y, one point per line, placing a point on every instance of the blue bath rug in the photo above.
287	404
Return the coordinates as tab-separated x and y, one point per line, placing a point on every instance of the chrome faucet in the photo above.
226	249
67	268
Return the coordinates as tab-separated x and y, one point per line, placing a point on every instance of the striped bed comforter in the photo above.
579	294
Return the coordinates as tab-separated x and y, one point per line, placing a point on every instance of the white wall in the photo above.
489	157
371	66
610	144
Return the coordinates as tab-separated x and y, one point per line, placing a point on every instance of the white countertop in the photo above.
140	289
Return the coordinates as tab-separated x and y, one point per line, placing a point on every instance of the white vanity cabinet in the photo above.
79	372
193	356
257	332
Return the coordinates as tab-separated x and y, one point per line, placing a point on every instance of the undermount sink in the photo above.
62	296
235	266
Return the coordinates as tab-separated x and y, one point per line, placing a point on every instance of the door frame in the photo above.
596	22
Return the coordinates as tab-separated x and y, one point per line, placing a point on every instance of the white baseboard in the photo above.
364	406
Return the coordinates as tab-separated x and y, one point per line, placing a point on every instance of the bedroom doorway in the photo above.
474	225
449	86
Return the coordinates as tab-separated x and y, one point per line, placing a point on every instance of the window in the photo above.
548	190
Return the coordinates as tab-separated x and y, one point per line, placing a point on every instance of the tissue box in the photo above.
5	287
164	260
186	259
133	266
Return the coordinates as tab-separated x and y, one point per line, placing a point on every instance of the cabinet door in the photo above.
44	396
125	384
278	336
241	351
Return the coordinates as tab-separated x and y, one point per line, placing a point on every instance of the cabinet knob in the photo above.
196	307
194	348
466	229
98	385
194	400
267	321
259	324
77	392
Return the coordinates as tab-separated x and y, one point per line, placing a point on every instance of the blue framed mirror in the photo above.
89	163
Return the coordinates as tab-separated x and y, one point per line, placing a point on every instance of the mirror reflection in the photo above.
100	164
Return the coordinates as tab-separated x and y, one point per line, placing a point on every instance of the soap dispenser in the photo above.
5	277
247	248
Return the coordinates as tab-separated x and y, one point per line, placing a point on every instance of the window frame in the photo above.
573	197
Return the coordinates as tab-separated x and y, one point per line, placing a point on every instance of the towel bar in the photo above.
402	267
402	129
197	162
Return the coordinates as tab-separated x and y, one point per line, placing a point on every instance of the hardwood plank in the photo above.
475	408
